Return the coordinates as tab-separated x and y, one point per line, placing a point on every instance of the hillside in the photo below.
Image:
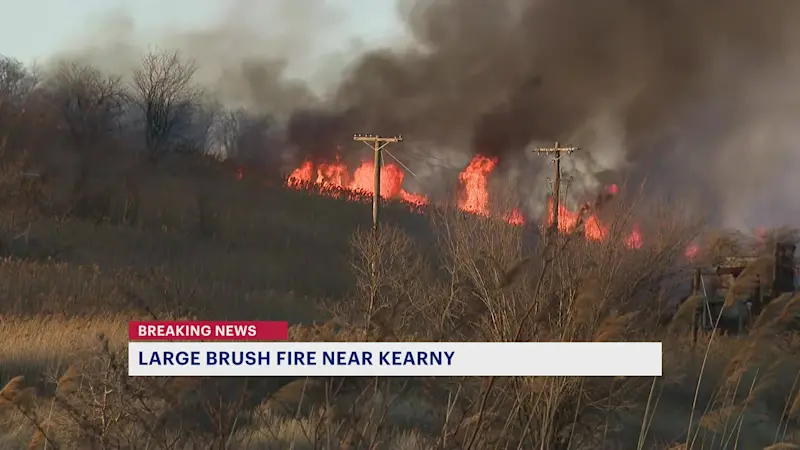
112	209
204	244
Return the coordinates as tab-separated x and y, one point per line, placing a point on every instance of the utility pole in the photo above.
376	143
556	152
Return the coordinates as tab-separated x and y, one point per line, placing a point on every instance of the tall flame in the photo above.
474	196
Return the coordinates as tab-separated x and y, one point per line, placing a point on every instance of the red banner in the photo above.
164	330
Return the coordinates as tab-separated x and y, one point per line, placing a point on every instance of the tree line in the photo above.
157	110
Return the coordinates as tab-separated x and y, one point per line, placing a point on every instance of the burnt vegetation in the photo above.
120	200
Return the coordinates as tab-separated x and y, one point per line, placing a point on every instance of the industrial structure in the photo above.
714	286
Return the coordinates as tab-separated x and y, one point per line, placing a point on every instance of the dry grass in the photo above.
198	247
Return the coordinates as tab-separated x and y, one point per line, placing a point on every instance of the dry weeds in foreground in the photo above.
490	284
70	284
95	406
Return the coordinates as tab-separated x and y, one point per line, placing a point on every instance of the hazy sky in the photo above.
36	29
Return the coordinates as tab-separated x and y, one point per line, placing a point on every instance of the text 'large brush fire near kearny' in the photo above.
335	179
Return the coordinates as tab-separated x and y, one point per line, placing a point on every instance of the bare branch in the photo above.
166	94
90	103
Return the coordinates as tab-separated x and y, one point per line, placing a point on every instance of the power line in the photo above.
402	165
376	143
556	152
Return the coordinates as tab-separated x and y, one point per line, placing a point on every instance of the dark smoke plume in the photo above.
672	90
697	97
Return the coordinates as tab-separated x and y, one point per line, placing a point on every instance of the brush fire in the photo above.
336	180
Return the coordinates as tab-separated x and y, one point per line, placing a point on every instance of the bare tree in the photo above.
18	129
167	96
90	103
193	134
255	138
15	81
88	106
227	131
252	141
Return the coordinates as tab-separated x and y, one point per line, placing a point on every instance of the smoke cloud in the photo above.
269	57
694	96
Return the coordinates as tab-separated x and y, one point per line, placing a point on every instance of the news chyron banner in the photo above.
262	349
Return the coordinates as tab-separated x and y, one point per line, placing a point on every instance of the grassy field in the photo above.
198	244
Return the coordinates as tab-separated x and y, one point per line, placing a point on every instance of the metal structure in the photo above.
709	316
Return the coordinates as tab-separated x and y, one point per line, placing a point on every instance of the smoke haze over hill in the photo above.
695	96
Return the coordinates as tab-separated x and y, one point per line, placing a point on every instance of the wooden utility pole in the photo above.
376	143
556	152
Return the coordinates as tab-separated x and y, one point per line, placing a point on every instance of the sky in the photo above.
34	30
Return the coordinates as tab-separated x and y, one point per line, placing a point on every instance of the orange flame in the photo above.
415	199
333	178
474	196
634	240
515	217
567	221
595	230
692	251
301	175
